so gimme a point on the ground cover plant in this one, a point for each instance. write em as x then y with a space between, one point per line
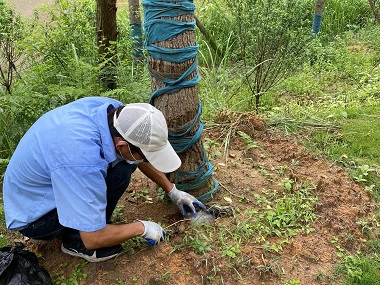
303 175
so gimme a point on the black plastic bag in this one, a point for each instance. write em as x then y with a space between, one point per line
21 267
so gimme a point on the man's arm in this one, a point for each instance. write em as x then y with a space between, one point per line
116 234
156 176
183 200
111 235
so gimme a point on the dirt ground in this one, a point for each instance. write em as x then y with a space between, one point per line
26 7
310 258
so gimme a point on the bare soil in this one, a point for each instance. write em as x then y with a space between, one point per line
310 258
26 7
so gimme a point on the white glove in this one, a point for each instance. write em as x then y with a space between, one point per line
184 201
153 233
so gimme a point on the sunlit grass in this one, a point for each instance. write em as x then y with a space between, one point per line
3 231
362 135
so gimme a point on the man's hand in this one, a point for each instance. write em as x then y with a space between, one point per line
153 233
184 201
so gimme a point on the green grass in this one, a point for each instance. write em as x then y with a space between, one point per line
354 144
357 136
78 276
360 270
3 231
334 105
362 134
276 214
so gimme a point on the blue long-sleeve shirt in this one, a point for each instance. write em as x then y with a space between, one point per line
61 162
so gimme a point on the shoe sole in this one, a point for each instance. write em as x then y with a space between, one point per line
87 257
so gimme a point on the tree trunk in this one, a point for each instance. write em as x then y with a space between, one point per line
136 32
319 6
373 7
107 36
180 108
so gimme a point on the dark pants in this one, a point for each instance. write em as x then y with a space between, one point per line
48 226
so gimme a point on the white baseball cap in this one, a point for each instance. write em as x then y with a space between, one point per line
145 126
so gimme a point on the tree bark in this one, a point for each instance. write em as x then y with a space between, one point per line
319 7
107 36
182 107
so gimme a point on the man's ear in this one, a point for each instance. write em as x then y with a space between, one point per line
119 143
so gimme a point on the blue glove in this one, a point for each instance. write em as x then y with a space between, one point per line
153 233
184 201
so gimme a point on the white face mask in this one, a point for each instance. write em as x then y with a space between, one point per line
134 161
137 161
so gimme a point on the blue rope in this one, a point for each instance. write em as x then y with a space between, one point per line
174 85
197 179
156 29
173 55
316 27
155 9
182 143
162 30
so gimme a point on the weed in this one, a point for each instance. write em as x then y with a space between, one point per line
118 214
320 276
212 148
364 171
249 142
232 251
370 188
142 194
340 249
278 214
288 183
165 276
286 214
77 275
292 282
369 227
281 170
161 195
131 245
275 247
200 241
360 270
374 245
265 172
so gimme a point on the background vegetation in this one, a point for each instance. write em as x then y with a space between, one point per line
324 88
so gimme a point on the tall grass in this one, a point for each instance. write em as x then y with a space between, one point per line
344 15
222 84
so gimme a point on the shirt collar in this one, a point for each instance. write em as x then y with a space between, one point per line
105 134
